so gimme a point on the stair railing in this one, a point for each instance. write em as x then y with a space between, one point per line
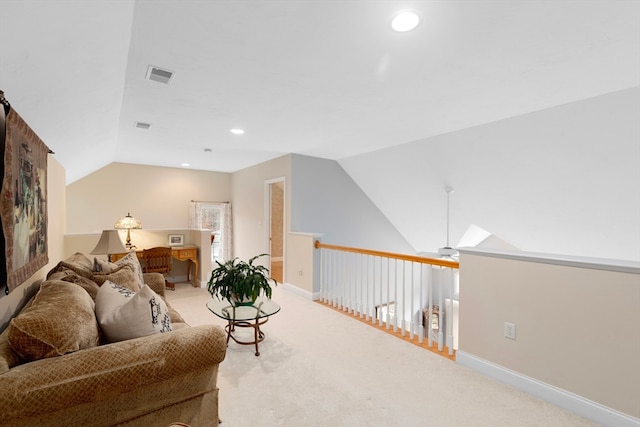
409 293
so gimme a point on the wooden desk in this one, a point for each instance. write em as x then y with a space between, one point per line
181 253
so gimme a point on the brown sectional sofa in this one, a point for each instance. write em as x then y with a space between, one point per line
80 379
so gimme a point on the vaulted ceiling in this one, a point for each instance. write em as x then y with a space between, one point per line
323 78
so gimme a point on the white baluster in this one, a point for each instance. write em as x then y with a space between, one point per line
429 305
380 301
450 323
440 310
361 299
420 318
336 280
403 325
412 311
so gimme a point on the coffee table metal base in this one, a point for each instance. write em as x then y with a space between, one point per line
258 335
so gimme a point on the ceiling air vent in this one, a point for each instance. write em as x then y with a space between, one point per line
141 125
159 75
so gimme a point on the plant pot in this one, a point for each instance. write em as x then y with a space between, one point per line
246 301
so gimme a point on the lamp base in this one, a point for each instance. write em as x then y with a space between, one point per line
128 244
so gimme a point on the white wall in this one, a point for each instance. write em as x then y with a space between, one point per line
319 198
562 180
325 199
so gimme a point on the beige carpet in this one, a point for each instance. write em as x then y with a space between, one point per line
318 367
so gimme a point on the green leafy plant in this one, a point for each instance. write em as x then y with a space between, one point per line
237 281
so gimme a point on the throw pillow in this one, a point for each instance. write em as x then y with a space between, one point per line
79 260
8 357
70 276
123 276
130 258
123 314
102 266
60 320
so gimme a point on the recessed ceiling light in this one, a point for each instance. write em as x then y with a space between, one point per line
186 165
236 131
405 21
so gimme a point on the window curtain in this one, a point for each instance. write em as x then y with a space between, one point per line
214 216
226 235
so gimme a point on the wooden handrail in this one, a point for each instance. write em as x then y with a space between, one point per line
413 258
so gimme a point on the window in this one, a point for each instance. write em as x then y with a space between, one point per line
215 217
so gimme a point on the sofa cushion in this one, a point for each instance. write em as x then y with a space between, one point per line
124 314
8 357
60 320
80 261
70 276
77 269
123 276
102 266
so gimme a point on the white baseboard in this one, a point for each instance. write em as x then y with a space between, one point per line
562 398
301 292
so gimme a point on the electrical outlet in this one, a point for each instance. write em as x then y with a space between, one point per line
510 330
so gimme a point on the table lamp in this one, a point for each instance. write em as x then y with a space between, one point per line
109 243
128 223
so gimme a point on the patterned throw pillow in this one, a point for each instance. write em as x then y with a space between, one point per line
124 314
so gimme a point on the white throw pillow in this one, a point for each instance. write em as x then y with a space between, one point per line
124 314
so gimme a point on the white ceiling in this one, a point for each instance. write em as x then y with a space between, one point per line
322 78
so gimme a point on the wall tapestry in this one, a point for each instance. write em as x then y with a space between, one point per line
23 205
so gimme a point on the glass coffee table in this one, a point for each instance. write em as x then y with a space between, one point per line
245 316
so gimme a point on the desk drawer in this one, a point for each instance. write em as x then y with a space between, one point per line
187 253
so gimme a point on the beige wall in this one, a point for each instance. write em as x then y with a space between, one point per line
300 261
249 228
159 197
576 328
11 303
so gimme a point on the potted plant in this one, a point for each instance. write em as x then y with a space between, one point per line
240 282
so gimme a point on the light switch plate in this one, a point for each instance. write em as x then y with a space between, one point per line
510 330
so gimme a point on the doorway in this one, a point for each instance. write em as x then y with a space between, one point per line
275 208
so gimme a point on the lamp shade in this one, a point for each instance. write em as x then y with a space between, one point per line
127 223
109 243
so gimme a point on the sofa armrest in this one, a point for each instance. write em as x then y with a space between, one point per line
156 282
98 375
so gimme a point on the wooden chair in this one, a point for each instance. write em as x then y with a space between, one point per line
158 260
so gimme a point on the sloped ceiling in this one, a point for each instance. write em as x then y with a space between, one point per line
323 78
